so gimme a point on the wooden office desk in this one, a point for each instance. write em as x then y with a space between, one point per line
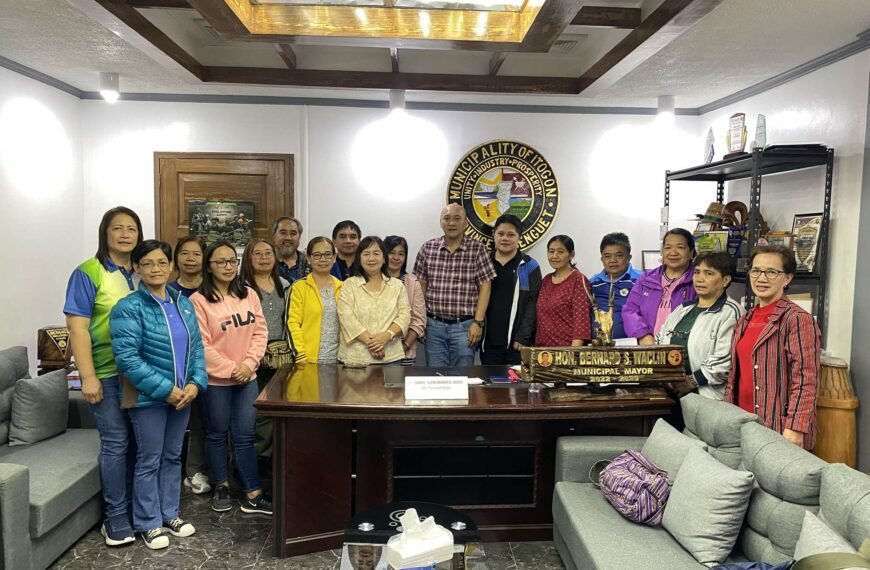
345 441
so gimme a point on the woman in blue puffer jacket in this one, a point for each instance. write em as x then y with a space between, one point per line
160 356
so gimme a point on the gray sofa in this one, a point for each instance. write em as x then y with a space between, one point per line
49 490
590 534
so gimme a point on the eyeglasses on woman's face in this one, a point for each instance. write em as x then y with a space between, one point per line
162 265
264 254
319 255
771 274
222 263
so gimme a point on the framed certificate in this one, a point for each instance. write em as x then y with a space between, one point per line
806 230
652 258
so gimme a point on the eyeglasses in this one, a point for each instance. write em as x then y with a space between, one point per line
148 265
263 254
771 274
222 263
321 255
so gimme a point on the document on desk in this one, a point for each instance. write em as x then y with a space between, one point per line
438 390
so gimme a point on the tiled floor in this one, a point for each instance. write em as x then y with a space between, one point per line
234 540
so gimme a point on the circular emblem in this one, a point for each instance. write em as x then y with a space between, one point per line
505 177
675 357
624 292
545 359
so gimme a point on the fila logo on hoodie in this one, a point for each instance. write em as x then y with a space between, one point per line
238 321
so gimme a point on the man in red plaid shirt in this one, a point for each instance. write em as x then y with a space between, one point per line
455 273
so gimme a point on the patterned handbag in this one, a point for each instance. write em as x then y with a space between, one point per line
636 487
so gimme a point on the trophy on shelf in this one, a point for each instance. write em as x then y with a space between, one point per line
708 147
760 132
735 140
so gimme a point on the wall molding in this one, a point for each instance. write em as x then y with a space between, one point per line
31 73
848 50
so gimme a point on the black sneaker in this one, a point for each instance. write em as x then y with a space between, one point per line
221 501
155 539
260 505
178 527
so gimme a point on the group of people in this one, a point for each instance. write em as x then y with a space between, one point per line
191 351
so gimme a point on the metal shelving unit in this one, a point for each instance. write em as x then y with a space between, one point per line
762 162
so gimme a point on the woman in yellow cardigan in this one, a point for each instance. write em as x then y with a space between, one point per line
313 315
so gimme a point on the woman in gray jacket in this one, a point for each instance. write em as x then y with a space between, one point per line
705 326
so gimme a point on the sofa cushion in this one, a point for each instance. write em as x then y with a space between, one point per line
706 507
717 424
667 447
64 474
845 502
788 482
816 537
40 408
598 537
13 365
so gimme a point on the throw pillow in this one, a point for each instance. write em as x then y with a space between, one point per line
816 537
40 408
706 508
667 448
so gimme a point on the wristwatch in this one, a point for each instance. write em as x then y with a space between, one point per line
479 323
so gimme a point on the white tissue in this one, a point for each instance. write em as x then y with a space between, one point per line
419 544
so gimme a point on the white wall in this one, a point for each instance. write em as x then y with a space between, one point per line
610 167
828 106
120 141
41 196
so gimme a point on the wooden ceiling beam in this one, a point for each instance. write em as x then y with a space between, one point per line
130 16
388 80
604 17
664 25
394 59
287 54
496 62
159 4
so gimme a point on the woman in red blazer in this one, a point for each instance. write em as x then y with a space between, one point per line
776 351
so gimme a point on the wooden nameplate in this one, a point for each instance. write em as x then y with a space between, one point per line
640 365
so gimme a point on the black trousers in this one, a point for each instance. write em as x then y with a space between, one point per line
499 355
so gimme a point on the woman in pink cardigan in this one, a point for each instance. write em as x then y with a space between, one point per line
397 266
234 335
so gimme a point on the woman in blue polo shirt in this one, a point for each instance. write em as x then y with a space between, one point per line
94 288
159 351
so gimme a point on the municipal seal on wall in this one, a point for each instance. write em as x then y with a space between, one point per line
505 177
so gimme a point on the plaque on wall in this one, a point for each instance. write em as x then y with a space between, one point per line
213 221
505 177
806 230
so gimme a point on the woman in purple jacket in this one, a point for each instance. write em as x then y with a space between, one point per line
661 290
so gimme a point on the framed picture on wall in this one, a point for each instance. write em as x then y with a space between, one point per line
214 220
651 258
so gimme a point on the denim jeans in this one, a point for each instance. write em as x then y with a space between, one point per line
114 432
159 435
198 426
231 410
447 344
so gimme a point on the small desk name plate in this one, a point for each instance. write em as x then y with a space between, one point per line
436 388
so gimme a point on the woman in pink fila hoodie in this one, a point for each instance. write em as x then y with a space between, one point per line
234 335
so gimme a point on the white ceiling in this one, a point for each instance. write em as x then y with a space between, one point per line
737 45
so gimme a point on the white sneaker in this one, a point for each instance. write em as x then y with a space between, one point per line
155 539
198 484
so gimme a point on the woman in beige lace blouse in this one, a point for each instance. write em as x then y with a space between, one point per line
373 309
